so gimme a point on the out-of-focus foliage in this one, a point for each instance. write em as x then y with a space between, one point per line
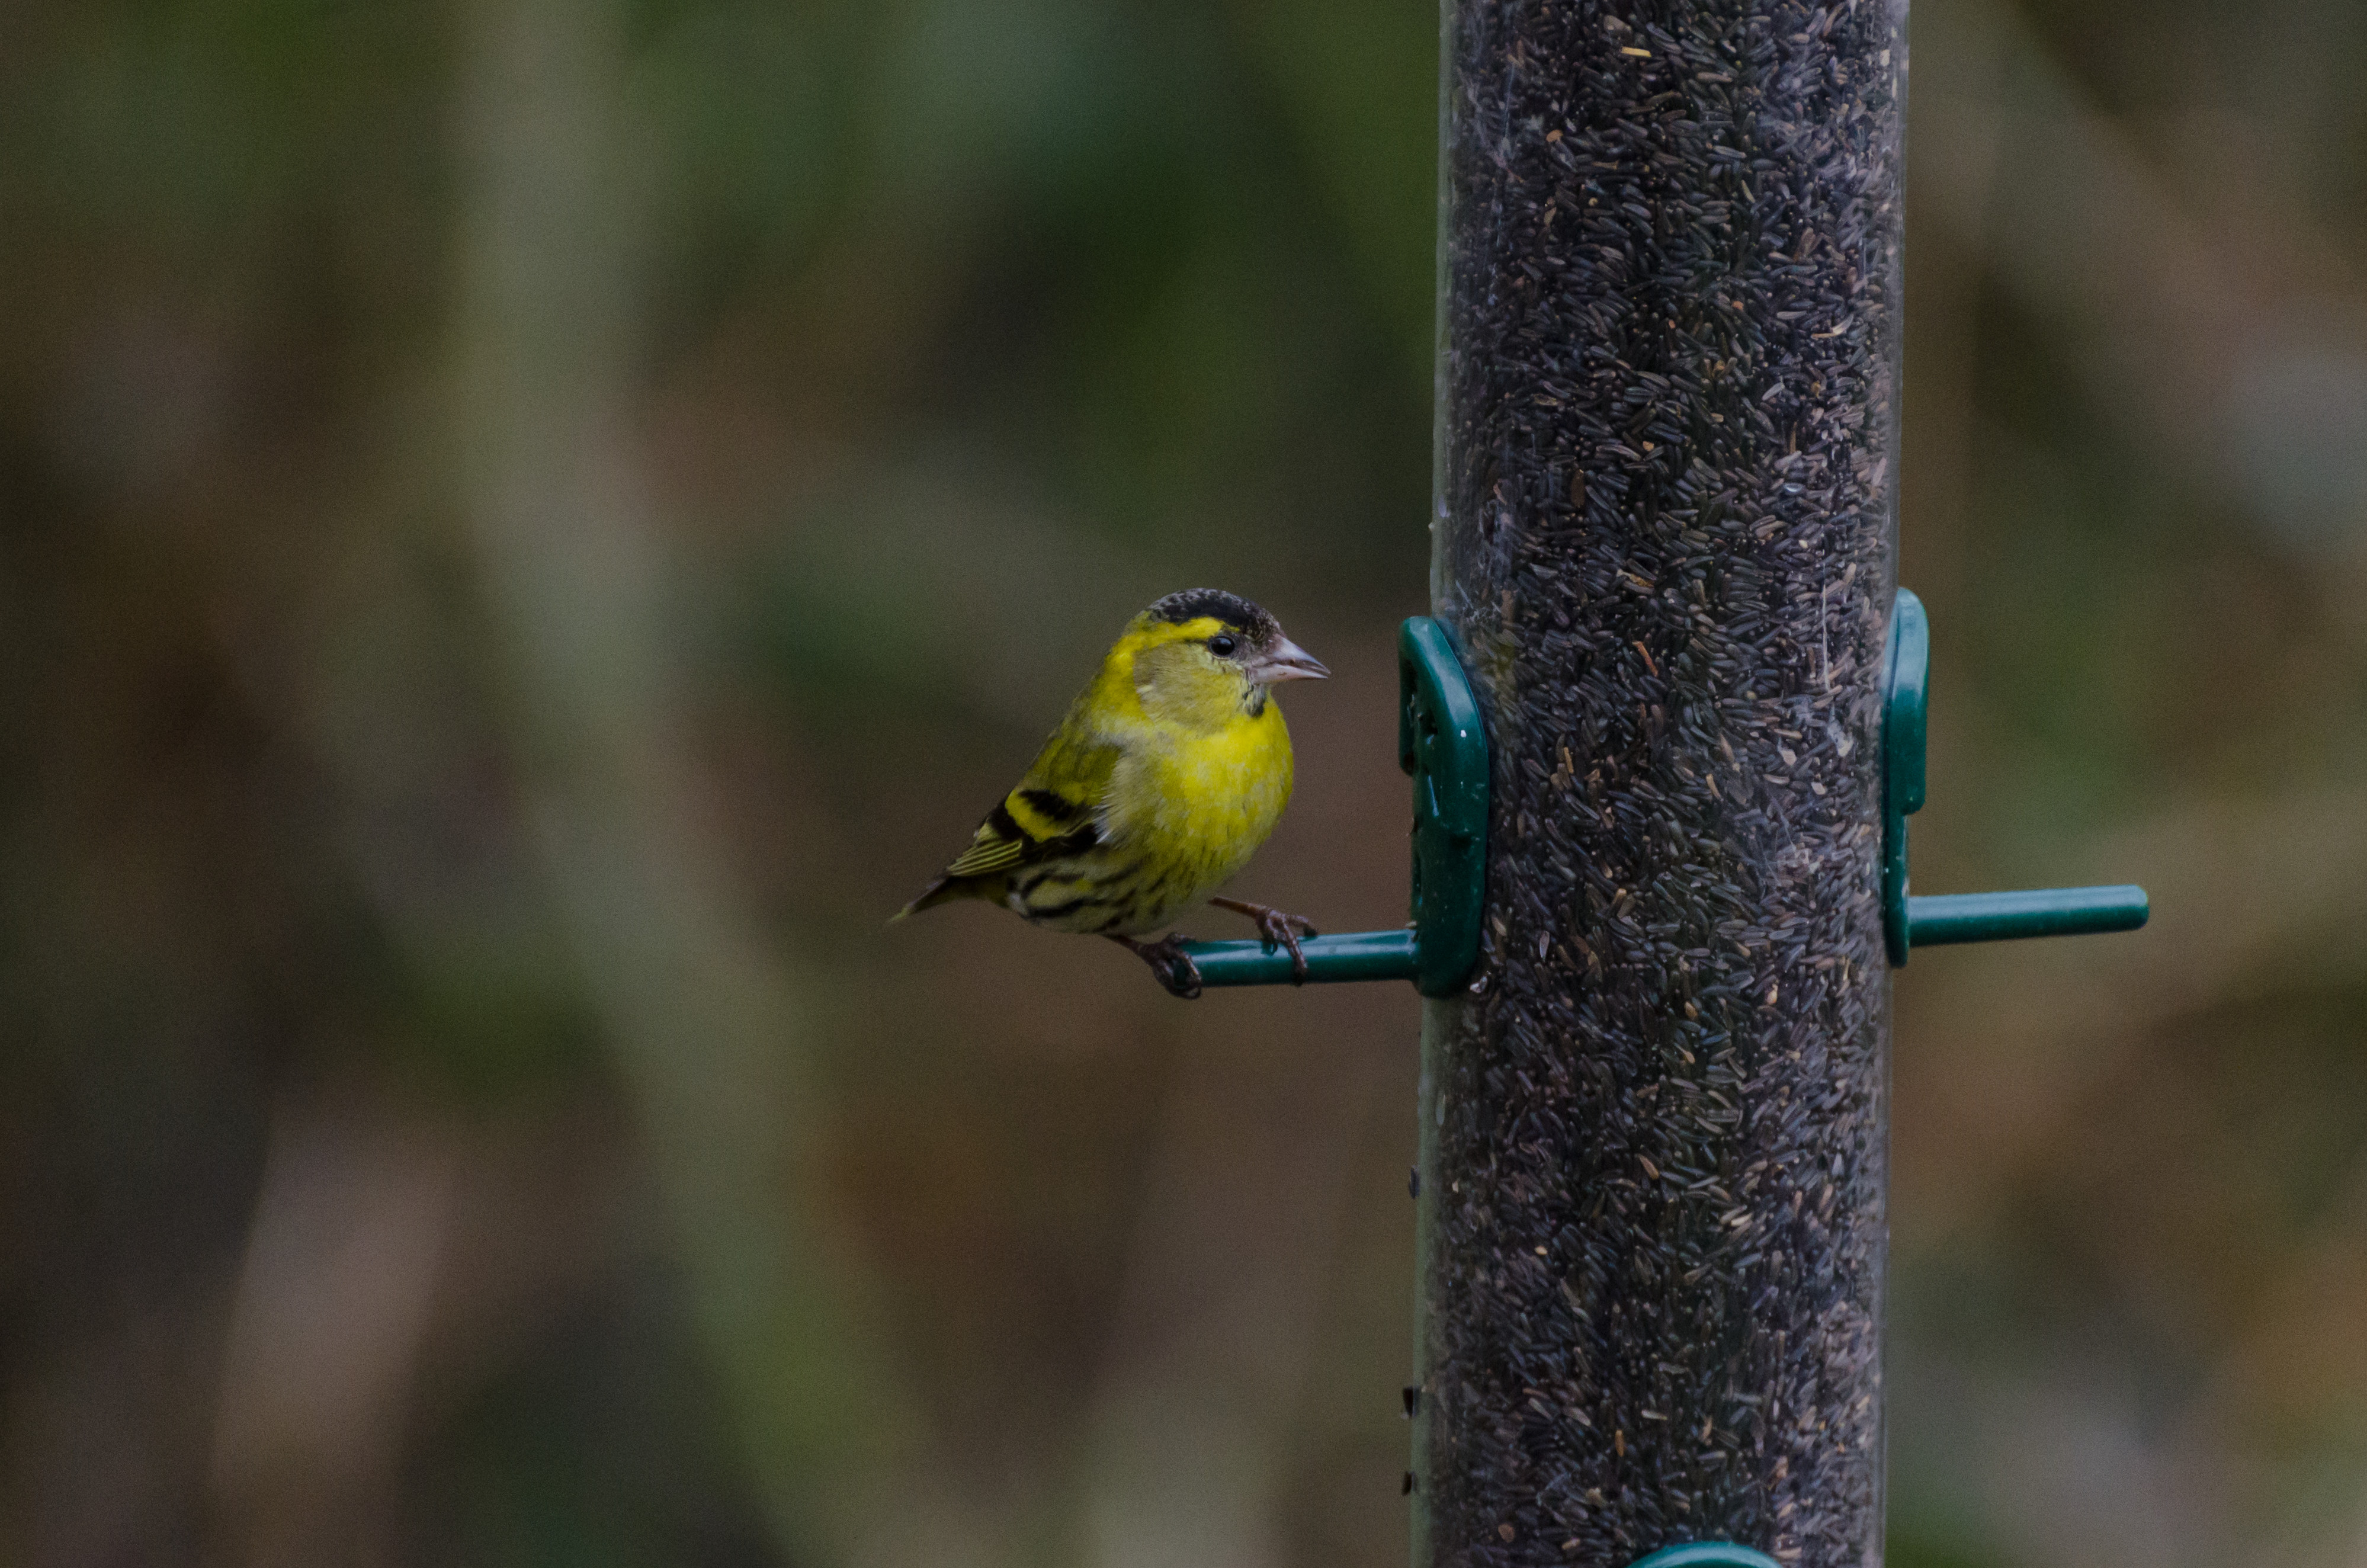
531 526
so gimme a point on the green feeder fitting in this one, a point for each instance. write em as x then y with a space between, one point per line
1443 743
1910 921
1706 1554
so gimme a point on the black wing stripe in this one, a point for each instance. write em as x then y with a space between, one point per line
1002 844
1052 806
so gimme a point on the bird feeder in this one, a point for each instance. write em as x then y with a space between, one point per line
1666 726
1653 1122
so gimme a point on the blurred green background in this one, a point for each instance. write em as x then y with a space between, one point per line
527 528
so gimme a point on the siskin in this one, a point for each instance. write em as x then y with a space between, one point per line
1169 771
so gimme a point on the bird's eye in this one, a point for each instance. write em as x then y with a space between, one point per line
1221 646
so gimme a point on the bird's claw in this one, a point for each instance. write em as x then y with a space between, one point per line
1168 961
1176 970
1276 929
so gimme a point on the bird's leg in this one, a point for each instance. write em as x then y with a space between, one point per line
1168 960
1276 929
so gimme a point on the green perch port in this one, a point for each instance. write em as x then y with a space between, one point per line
1444 745
1359 955
2040 912
1910 921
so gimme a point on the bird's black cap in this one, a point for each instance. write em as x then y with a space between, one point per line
1233 610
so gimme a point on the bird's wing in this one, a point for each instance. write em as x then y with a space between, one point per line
1056 810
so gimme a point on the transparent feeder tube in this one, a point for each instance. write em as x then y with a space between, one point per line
1654 1129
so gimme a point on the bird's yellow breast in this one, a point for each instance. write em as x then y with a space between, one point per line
1199 802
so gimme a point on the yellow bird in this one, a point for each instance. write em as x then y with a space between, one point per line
1169 771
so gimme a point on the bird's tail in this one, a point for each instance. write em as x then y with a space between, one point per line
945 889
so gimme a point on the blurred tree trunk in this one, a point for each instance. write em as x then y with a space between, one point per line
1654 1131
703 1024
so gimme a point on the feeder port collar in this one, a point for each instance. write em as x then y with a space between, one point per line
1909 922
1706 1554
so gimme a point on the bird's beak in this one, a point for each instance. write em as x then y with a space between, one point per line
1288 661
